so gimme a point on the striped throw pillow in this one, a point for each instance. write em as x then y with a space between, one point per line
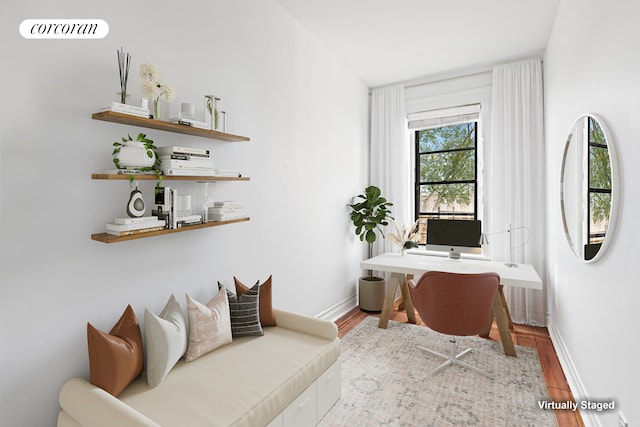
245 316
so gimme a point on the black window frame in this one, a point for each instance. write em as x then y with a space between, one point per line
418 182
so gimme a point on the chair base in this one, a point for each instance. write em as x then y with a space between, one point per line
453 359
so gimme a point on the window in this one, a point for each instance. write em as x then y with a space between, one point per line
599 175
446 168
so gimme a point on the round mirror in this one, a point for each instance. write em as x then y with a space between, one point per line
588 187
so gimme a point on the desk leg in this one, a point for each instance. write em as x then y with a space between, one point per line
503 300
398 304
406 298
389 296
503 320
485 333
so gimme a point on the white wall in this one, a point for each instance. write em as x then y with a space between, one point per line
306 115
592 66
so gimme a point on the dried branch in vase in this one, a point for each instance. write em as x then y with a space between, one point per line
406 237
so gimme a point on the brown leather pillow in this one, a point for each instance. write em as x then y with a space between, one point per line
265 301
116 358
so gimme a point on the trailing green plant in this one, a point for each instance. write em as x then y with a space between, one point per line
151 151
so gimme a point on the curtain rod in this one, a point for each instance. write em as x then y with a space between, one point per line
444 79
470 73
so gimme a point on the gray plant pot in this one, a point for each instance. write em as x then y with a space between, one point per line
371 291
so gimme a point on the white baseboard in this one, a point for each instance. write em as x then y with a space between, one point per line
335 311
571 373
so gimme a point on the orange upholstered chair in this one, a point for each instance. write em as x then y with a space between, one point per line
455 305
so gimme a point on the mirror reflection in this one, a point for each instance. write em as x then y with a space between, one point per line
587 187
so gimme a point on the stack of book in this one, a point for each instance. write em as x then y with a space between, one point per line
128 172
226 210
185 161
189 121
227 172
131 110
127 226
167 208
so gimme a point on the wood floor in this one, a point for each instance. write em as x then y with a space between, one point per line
523 335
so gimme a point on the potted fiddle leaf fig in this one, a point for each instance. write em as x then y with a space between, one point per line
370 213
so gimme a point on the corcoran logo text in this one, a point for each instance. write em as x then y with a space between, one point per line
64 29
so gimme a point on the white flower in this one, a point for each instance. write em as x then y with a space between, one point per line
149 88
168 91
149 72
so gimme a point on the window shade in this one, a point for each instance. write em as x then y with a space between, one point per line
443 117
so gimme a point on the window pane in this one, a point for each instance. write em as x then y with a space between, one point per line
447 137
448 166
596 135
599 168
600 204
445 173
447 199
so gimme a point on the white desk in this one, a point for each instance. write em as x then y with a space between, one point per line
404 267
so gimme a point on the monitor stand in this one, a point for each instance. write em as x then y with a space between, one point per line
454 255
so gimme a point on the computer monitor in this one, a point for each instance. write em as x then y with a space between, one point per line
454 236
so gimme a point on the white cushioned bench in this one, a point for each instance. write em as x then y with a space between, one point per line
253 381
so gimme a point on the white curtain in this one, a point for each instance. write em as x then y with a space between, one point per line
517 180
390 160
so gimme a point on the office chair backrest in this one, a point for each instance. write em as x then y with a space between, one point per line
455 304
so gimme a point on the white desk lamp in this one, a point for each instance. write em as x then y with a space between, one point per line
485 241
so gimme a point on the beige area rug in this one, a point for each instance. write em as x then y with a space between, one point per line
387 381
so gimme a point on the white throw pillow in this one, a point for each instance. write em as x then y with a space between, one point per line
209 325
166 340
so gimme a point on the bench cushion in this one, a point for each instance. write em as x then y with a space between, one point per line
244 383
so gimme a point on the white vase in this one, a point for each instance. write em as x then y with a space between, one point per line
133 154
162 110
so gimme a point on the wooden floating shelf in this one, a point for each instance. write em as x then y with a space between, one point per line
108 238
144 177
111 116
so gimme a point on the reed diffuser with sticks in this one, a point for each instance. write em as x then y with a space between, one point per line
124 60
